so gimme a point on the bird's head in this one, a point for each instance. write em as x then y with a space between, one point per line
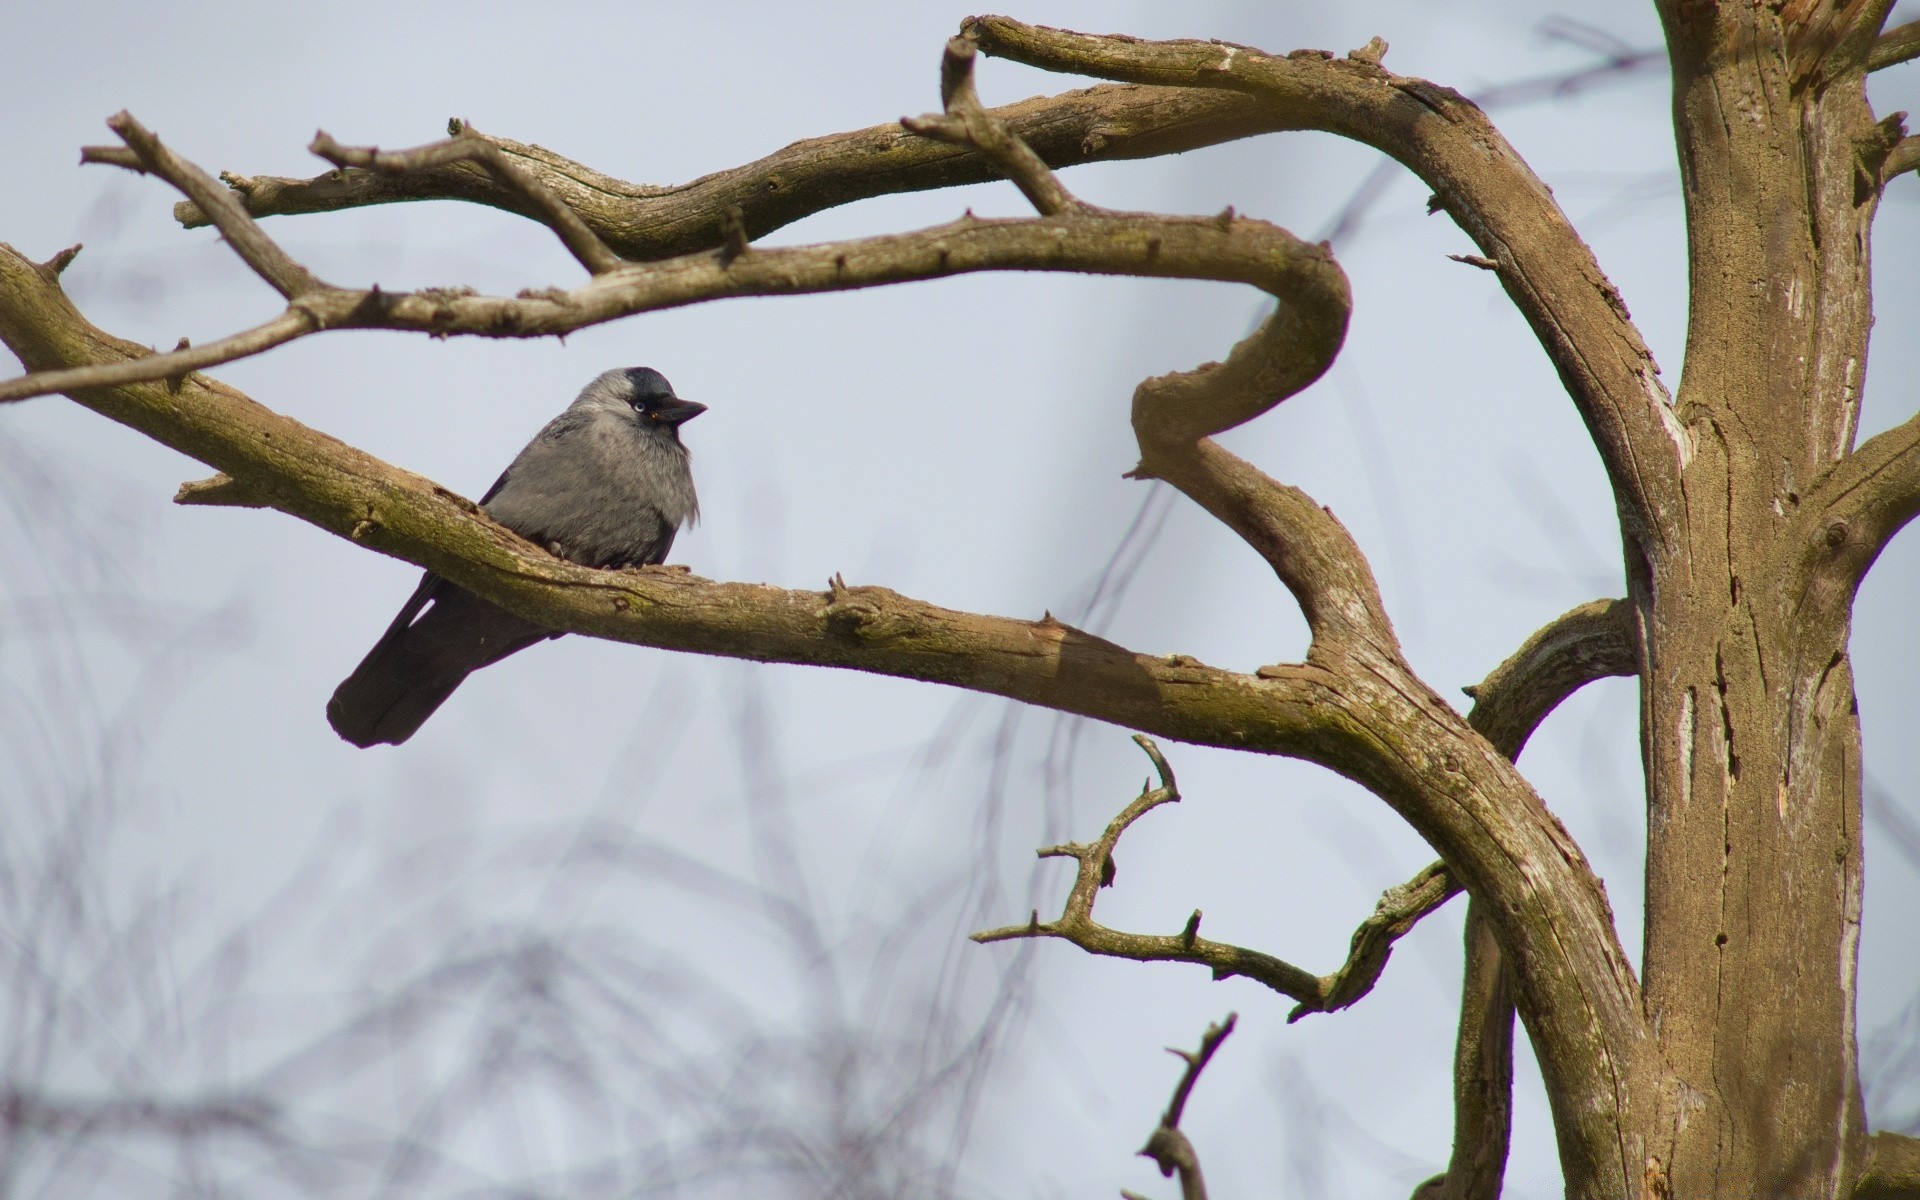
651 397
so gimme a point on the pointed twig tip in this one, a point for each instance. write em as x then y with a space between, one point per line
62 260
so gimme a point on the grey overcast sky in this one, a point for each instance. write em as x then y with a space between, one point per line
163 670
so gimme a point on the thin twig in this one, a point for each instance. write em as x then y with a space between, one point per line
466 145
294 323
240 230
1169 1148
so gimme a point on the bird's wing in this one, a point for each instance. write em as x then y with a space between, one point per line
556 429
495 489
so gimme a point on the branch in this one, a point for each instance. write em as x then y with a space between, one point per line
1399 909
966 123
246 238
467 146
1173 416
297 470
28 1109
643 223
1593 641
1482 1071
1904 157
1896 45
1167 1146
1354 706
1856 508
1893 1169
1590 642
1303 277
1549 273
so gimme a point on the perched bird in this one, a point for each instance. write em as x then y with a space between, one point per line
605 484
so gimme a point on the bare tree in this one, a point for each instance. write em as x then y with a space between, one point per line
1747 519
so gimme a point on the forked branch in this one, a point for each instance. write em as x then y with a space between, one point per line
644 222
1079 240
1354 705
1399 909
467 146
966 122
1169 1148
1548 271
144 152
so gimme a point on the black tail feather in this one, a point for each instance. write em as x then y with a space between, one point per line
417 664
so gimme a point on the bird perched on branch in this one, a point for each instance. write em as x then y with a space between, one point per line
605 484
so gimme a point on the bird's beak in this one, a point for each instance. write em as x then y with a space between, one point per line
677 411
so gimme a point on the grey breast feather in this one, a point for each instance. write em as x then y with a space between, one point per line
598 486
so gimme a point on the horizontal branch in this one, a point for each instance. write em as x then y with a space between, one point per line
643 222
1904 157
467 146
291 325
297 470
1549 273
1305 278
1896 45
29 1109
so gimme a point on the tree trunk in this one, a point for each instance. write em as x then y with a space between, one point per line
1750 731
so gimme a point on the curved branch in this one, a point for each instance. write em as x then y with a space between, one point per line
643 223
1549 273
1175 415
1593 641
1398 911
1859 505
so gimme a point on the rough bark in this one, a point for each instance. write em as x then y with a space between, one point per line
1749 726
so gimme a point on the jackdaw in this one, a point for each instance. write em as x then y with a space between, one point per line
605 484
